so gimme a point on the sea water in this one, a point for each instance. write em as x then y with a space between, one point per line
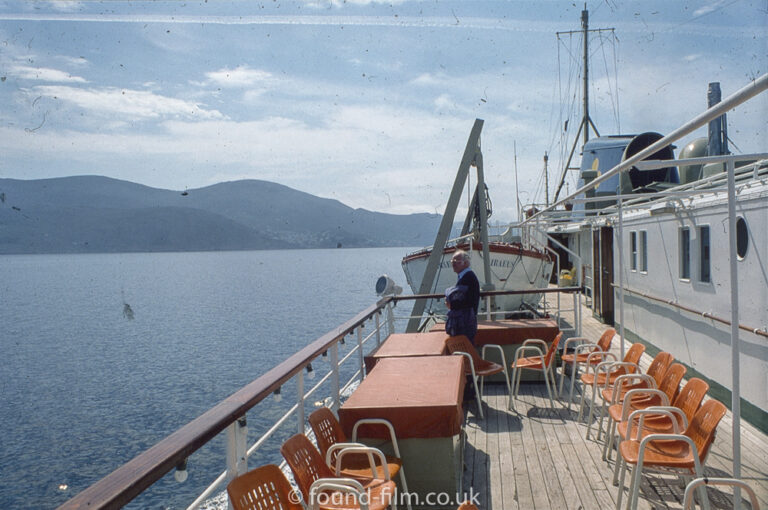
104 355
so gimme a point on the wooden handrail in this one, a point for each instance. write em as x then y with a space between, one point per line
131 479
707 315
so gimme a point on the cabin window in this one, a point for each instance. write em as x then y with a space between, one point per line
704 254
685 253
633 251
643 251
742 237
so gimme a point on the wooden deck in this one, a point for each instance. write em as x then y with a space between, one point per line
537 458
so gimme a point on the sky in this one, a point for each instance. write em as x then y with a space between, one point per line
364 101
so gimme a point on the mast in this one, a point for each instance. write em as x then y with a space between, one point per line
585 85
586 120
546 180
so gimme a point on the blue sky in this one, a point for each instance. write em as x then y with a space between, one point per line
364 101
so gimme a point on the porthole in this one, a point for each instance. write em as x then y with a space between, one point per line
742 237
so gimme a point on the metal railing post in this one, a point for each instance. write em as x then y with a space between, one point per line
360 351
300 401
378 327
335 387
237 444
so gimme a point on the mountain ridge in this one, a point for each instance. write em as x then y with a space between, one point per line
92 213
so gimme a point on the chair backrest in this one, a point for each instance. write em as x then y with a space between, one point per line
550 355
659 366
264 488
605 339
704 425
461 343
327 429
633 355
670 384
690 397
305 461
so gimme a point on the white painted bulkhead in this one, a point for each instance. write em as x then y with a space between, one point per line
701 343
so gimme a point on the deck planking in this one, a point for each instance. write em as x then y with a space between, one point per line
534 457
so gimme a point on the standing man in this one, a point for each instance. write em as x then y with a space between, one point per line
463 299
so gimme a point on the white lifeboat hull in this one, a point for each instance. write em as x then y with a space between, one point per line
512 268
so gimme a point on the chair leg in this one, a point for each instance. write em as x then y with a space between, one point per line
512 391
549 391
591 411
562 376
405 487
619 461
574 376
581 406
608 445
506 378
479 400
600 424
634 489
621 487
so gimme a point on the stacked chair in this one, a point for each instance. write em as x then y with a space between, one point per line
581 356
607 373
685 452
657 425
477 366
642 398
651 379
351 475
322 489
331 440
543 361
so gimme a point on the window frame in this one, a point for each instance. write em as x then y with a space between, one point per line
633 251
705 253
684 253
644 251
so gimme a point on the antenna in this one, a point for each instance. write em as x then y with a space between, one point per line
517 187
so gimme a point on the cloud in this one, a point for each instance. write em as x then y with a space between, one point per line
44 74
428 79
327 4
65 5
133 103
239 77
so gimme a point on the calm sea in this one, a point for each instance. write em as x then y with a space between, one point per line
104 355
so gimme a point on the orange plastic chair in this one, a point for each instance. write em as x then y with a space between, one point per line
324 490
605 374
665 452
663 420
581 356
476 365
643 398
330 439
652 378
542 362
264 488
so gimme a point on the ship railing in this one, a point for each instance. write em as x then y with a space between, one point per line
345 368
344 347
561 314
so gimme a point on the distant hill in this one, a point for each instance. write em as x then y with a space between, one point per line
98 214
